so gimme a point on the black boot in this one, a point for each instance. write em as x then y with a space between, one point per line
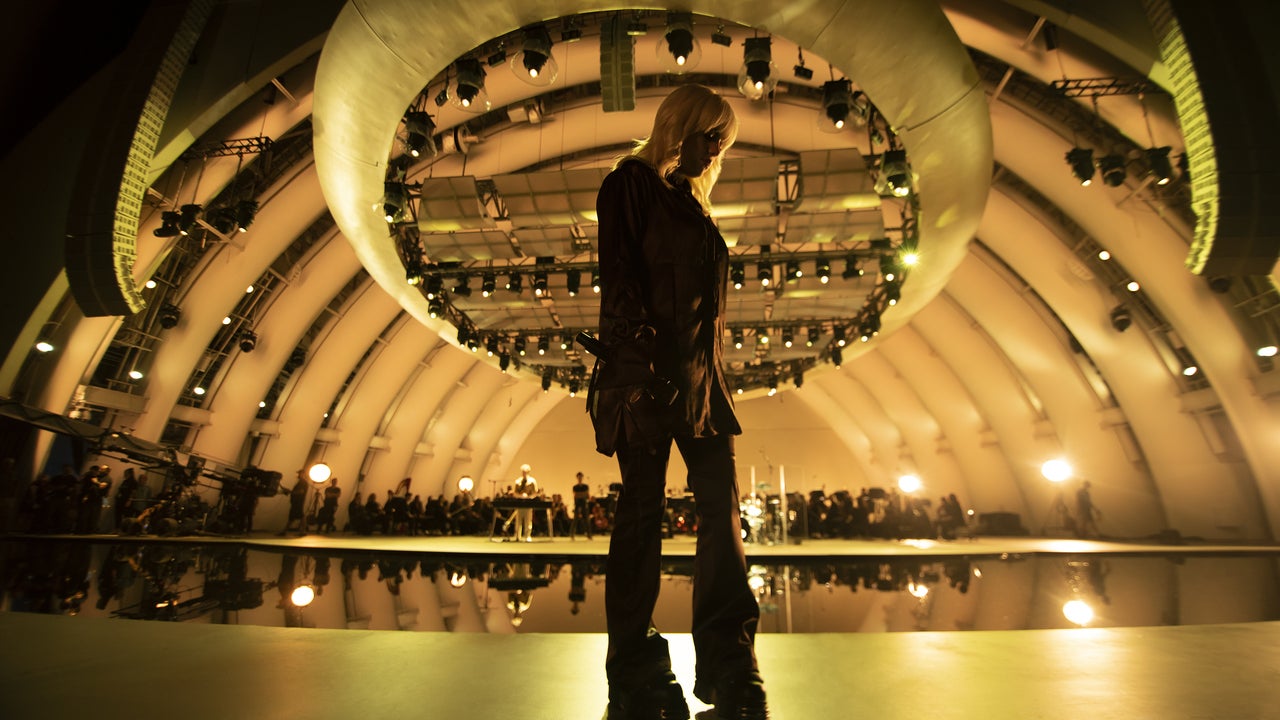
659 699
737 699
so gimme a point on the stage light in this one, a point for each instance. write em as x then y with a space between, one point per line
414 272
764 273
467 92
1161 169
1081 162
837 357
135 374
463 288
187 218
546 380
758 76
515 282
248 341
169 315
394 201
168 224
595 281
773 387
1121 318
837 104
787 338
802 72
534 63
837 334
539 283
737 338
466 484
319 473
798 379
491 345
544 344
909 483
762 336
302 596
1266 351
852 267
822 268
737 275
435 307
222 219
719 38
679 51
198 390
1056 470
573 282
44 346
815 333
488 283
894 177
504 361
794 272
1112 169
521 345
419 127
573 388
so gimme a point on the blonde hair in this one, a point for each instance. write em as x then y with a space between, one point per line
687 110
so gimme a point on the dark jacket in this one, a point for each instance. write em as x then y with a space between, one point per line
663 269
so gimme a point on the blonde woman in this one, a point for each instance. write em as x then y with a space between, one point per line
663 270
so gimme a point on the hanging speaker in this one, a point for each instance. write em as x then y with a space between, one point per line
617 67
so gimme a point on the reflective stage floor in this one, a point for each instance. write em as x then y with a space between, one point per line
1181 653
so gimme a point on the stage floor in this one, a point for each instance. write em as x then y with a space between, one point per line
56 666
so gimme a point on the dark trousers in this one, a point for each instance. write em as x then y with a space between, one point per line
725 612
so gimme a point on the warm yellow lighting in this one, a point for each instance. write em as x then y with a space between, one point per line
1078 612
319 472
918 590
135 374
302 595
1056 470
909 483
226 320
1267 351
910 259
1104 255
150 284
466 484
457 579
1133 286
44 347
198 390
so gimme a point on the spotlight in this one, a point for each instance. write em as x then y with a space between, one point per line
679 51
803 72
564 342
794 272
521 346
822 268
737 275
245 212
573 282
852 268
169 316
1081 162
463 288
497 58
248 341
1112 168
637 27
773 387
44 346
488 283
787 338
758 76
573 387
319 473
168 224
394 202
893 292
837 335
895 176
764 272
719 38
1161 169
837 103
442 97
737 338
534 63
546 380
435 307
544 344
595 281
837 357
1120 318
762 336
413 272
464 335
815 333
539 284
870 327
223 220
187 217
418 127
515 282
798 379
467 92
491 345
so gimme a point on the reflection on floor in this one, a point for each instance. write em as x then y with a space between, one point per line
54 666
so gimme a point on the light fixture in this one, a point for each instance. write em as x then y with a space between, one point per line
798 379
418 128
168 224
302 596
249 290
1112 169
719 38
504 361
814 334
895 176
248 341
1120 318
394 201
169 315
595 281
773 387
758 76
226 319
1266 351
573 388
534 63
837 104
1104 255
515 282
546 380
1132 286
414 272
198 390
794 272
822 268
150 284
435 307
737 275
573 282
488 283
1056 470
1158 160
188 215
762 336
467 92
463 288
893 292
222 219
1081 162
852 268
764 273
540 283
246 210
678 50
909 483
491 345
521 345
837 357
44 346
787 338
837 334
319 473
737 338
544 344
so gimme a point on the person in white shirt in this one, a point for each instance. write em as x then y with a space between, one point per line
526 487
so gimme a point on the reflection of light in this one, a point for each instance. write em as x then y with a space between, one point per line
1056 470
756 582
919 543
755 510
302 595
319 472
917 589
1078 612
909 483
977 572
458 579
756 577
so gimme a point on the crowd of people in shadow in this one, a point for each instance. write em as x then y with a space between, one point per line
71 503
